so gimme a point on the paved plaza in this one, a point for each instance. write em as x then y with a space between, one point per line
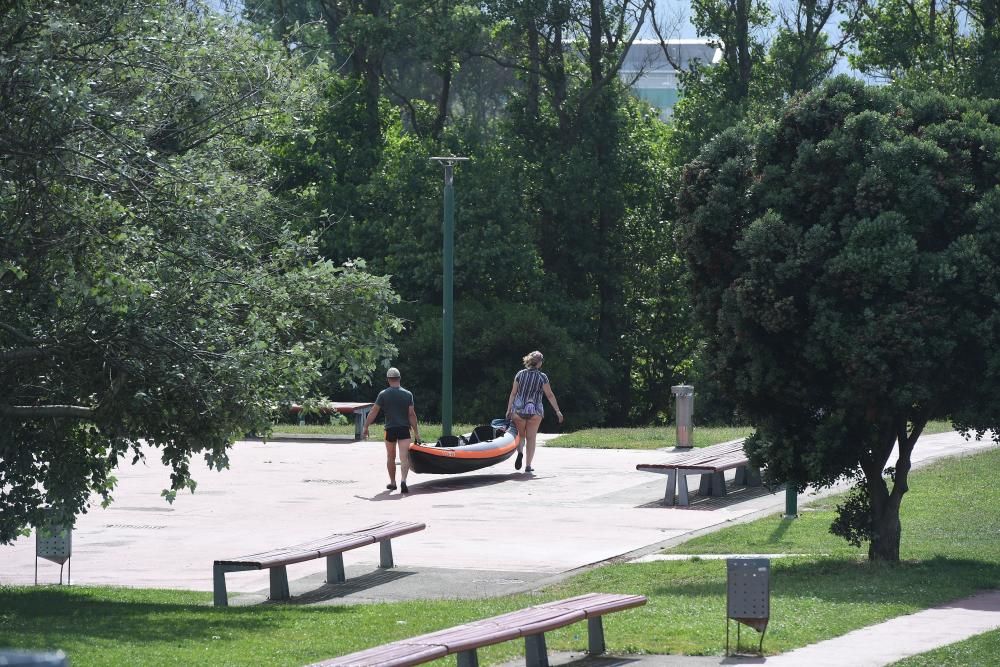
489 532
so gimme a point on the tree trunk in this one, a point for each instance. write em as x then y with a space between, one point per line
437 127
886 533
743 48
535 64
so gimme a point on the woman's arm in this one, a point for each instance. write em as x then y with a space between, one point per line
510 399
552 400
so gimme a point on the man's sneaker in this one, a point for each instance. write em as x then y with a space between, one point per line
517 461
403 488
391 486
529 469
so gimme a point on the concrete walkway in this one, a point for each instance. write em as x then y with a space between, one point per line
489 532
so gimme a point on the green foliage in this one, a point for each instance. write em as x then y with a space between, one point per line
152 287
560 215
755 78
659 437
497 332
978 651
943 45
825 592
843 263
854 516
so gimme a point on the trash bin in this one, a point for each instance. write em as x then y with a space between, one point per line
748 596
55 543
684 414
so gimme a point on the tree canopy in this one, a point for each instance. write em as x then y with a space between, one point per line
151 287
844 264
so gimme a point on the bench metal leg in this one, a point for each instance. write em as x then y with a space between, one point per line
741 476
668 495
219 586
595 636
360 416
385 554
468 658
705 484
335 569
359 424
535 654
718 484
279 583
682 489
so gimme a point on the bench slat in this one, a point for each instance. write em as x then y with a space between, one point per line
715 458
397 654
325 546
300 552
465 637
394 529
526 622
596 604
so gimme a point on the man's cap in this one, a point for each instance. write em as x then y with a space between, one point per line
392 372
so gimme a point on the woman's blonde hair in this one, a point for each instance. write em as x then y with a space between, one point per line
533 359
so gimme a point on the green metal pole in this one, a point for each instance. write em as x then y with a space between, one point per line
448 287
791 501
448 311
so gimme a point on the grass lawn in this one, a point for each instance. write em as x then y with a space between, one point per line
657 437
979 651
951 528
428 432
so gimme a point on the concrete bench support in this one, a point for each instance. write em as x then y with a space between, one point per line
710 463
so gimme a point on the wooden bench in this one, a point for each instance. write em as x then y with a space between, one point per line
709 462
359 410
531 623
332 547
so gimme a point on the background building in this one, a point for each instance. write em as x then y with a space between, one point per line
654 77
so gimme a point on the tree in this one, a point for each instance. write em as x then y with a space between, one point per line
949 45
152 290
844 267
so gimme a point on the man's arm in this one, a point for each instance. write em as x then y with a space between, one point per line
372 414
413 423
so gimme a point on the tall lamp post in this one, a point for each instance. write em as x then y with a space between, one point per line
448 296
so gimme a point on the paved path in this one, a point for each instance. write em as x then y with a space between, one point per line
490 532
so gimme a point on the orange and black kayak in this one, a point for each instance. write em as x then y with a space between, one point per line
487 445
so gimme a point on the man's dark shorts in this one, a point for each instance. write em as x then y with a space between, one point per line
394 433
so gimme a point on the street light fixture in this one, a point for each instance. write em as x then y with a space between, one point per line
448 297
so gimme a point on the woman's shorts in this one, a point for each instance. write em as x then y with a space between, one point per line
529 417
394 433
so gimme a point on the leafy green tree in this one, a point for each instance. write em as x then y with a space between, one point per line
423 55
844 266
767 59
953 46
151 290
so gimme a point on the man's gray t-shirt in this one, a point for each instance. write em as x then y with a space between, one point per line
395 403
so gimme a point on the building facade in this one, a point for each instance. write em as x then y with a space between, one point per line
654 77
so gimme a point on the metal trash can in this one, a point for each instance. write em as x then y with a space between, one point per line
684 414
54 543
748 596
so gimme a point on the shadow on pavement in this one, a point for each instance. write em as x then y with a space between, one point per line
353 585
734 495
